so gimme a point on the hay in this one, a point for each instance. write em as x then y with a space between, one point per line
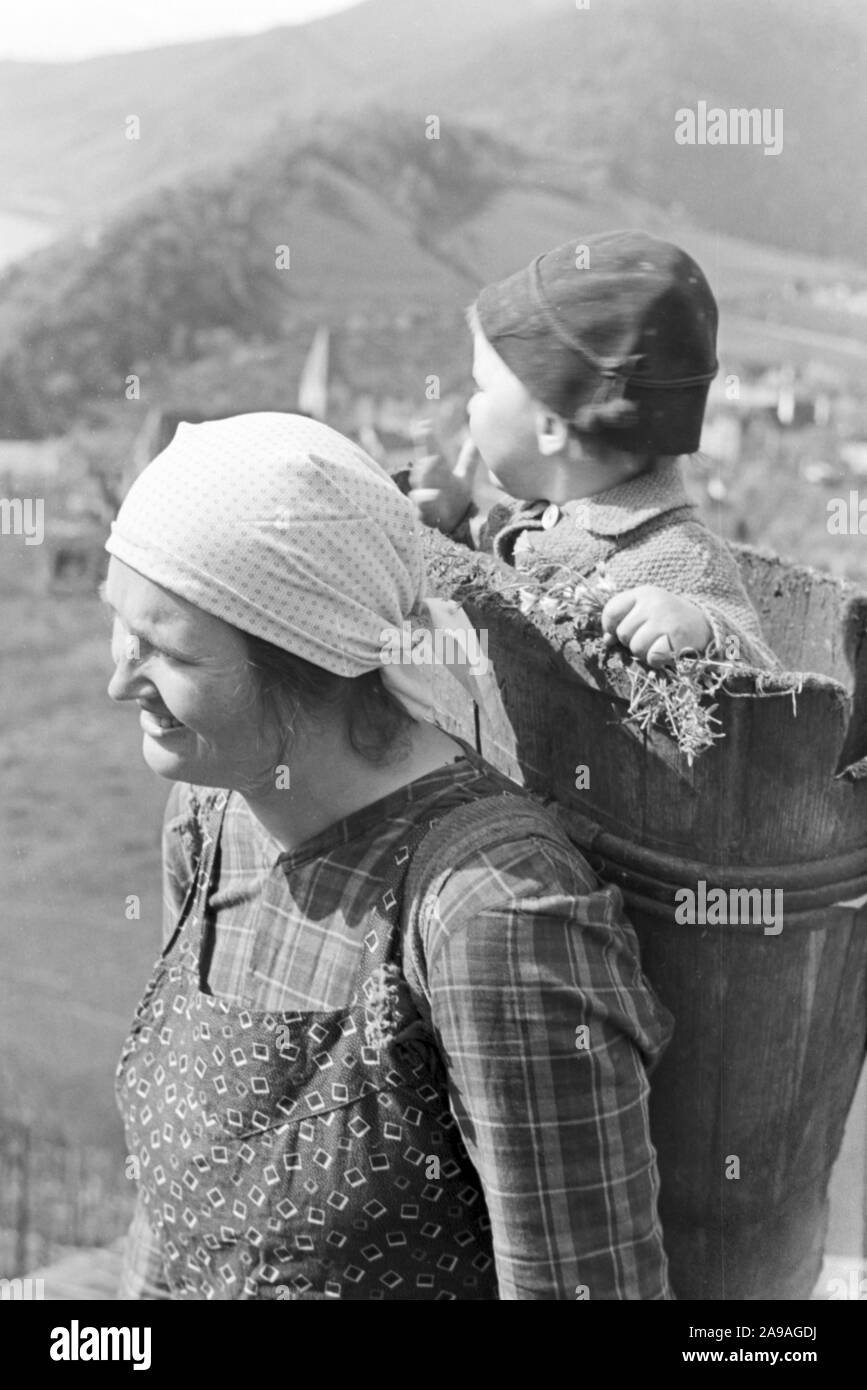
678 697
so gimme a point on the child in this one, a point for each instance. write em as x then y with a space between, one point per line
593 368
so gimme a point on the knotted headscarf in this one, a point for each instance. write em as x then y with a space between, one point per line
287 530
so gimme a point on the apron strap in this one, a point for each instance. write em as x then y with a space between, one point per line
209 812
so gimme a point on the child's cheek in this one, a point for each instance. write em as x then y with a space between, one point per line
489 430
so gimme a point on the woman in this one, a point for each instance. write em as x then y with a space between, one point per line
396 1044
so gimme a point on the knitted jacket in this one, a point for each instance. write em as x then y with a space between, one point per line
645 531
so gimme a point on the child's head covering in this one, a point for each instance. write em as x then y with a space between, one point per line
289 531
616 333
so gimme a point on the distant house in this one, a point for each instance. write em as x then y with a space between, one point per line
312 392
322 393
74 554
25 463
854 456
72 550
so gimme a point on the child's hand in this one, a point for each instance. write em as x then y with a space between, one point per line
655 625
441 493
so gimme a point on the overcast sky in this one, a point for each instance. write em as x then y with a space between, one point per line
48 30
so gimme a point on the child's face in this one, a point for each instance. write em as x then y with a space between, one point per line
503 416
526 447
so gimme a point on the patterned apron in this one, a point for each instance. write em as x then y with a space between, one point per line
300 1155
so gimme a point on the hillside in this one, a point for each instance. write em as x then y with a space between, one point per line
596 89
390 235
206 106
167 280
609 81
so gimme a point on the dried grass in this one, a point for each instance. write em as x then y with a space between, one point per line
678 697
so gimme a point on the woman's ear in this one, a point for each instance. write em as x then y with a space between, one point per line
552 433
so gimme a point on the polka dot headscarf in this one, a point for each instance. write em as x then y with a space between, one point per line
282 527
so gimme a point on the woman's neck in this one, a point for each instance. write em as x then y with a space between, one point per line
327 780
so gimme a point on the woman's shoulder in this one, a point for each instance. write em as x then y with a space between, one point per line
498 844
489 812
500 879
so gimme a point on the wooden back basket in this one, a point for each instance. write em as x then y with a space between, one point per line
749 1103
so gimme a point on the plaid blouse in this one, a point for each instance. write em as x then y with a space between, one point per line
531 978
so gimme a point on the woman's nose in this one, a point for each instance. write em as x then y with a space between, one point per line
117 686
126 683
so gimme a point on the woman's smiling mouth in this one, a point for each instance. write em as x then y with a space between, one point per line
159 725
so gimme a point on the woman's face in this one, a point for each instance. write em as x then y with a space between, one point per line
187 671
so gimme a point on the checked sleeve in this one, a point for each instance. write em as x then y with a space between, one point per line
548 1029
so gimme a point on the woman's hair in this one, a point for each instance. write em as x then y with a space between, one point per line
377 725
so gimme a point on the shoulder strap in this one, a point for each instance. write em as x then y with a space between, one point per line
206 822
475 825
451 841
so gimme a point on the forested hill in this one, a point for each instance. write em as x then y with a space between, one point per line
211 290
601 82
340 224
402 153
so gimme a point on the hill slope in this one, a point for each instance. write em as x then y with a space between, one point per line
358 213
596 88
388 237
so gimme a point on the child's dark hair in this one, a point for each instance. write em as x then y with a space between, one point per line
377 725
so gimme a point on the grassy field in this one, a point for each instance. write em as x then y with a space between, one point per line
80 831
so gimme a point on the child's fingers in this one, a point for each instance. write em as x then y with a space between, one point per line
429 503
660 652
424 437
635 623
469 459
616 609
639 637
429 467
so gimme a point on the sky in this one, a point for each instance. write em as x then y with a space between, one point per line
57 30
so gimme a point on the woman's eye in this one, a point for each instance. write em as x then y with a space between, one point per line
166 656
143 649
132 648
